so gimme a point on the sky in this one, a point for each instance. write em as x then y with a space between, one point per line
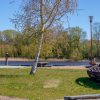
79 18
7 11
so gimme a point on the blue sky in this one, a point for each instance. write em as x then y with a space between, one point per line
79 18
6 12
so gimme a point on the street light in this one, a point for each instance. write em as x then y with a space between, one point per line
91 19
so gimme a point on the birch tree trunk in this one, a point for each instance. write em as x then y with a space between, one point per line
34 67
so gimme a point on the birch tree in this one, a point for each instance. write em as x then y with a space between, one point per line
41 15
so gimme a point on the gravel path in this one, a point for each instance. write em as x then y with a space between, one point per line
67 67
10 98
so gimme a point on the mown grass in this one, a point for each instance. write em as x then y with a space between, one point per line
18 83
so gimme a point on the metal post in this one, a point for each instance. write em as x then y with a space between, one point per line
91 18
6 59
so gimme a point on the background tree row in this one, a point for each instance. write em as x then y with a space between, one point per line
58 42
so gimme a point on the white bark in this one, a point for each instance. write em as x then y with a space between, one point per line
34 67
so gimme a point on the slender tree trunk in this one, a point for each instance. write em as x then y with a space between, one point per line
34 67
97 49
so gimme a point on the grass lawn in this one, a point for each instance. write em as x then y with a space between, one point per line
46 84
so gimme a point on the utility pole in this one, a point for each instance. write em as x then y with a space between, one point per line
91 19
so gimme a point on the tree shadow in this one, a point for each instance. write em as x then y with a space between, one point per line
11 76
87 82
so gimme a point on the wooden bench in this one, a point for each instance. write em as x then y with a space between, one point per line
83 97
42 64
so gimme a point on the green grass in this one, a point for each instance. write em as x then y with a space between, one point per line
18 83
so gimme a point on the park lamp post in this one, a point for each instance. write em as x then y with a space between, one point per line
91 19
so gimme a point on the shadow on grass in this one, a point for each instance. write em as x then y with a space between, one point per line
11 76
87 82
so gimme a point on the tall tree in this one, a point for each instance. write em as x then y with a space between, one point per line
42 14
96 36
75 37
60 45
7 36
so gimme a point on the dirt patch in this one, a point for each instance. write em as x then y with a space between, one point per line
10 98
53 83
67 67
16 59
